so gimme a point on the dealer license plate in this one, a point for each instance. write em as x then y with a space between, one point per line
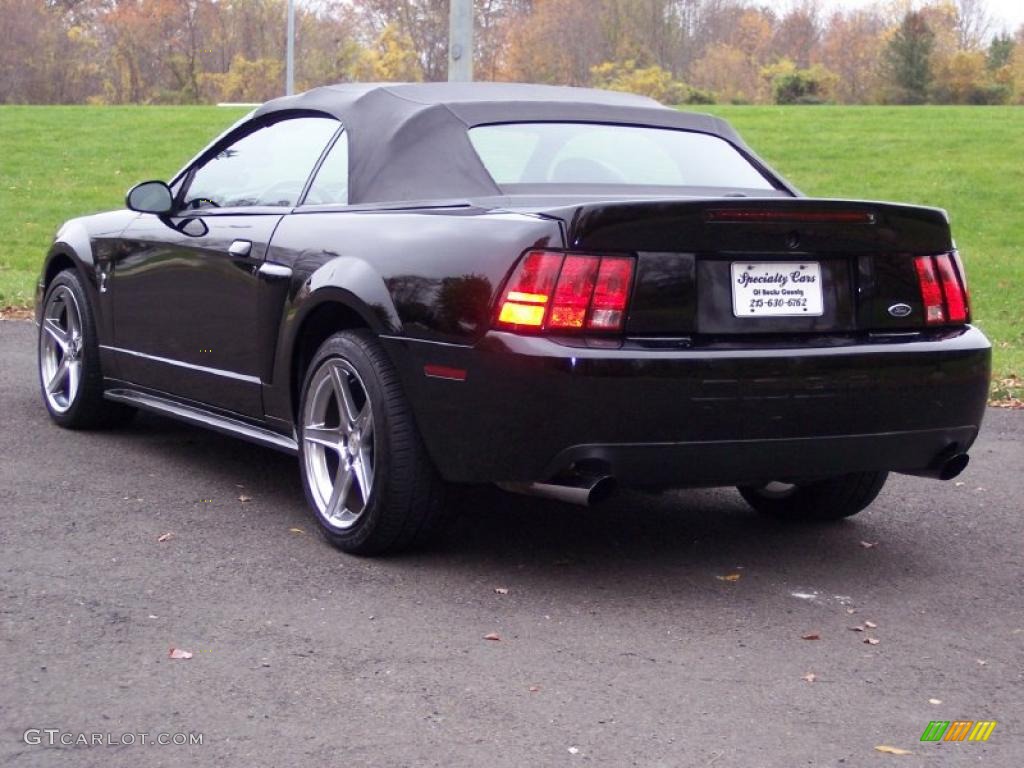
776 289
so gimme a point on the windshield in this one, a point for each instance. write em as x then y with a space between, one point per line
590 153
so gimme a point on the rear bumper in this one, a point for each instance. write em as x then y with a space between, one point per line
531 407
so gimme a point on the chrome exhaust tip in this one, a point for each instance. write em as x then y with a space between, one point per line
578 489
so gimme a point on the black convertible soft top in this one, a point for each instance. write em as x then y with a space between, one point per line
409 141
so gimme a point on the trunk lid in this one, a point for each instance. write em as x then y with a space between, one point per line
836 266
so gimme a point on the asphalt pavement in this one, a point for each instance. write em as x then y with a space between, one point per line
658 630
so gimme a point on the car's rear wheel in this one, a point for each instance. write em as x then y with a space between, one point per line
830 499
70 376
364 467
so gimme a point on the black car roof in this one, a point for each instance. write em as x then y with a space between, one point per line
409 141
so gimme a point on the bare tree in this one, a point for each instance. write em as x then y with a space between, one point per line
972 24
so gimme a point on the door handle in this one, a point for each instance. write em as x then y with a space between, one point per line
240 248
272 271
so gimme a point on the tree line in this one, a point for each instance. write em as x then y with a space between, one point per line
678 51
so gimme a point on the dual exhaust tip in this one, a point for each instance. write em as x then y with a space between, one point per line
574 488
947 466
588 489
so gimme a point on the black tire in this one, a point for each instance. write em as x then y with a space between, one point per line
830 499
406 499
82 406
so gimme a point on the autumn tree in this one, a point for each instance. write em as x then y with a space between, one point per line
392 58
183 51
47 53
908 56
730 74
329 42
797 34
851 47
246 80
559 41
732 69
422 22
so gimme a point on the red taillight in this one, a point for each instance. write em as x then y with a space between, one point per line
943 290
575 288
611 294
528 292
567 292
956 301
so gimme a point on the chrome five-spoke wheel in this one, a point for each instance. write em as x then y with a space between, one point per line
60 349
339 447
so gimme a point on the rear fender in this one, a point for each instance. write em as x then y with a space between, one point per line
361 298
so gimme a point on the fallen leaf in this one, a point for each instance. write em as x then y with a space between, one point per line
730 577
243 498
501 590
934 701
870 625
165 537
811 636
492 636
871 641
296 530
892 750
810 677
534 688
869 544
177 653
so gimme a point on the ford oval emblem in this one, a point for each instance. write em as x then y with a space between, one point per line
900 310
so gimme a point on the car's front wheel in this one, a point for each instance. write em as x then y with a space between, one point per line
364 467
70 376
830 499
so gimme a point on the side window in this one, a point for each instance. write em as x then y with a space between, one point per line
266 167
331 182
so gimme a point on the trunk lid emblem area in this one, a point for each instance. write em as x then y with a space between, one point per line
900 310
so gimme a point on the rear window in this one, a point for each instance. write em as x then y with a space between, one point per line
589 153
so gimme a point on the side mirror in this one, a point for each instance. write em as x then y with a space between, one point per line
150 197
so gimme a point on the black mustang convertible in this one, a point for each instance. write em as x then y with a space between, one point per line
552 289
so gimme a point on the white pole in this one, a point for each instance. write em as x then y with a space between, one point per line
460 41
289 88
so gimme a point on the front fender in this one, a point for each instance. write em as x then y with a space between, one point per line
71 247
85 243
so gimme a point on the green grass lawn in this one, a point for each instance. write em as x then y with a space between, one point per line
58 162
